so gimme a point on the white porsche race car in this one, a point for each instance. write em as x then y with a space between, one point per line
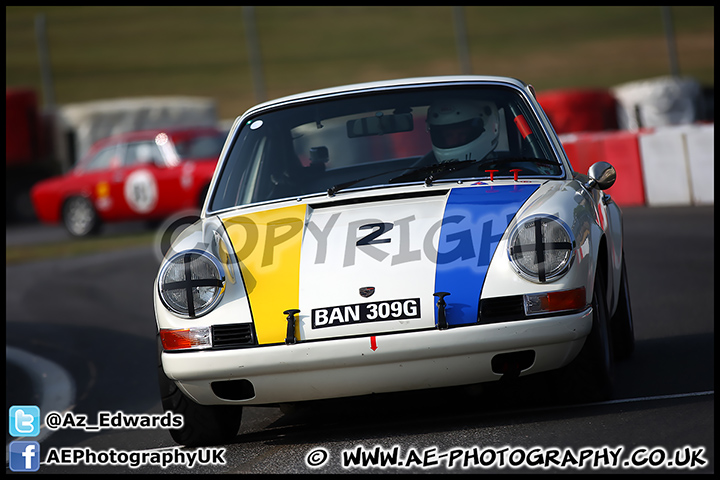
387 237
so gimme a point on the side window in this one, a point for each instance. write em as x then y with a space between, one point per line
101 161
139 153
205 146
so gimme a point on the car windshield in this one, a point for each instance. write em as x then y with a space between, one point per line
201 146
382 139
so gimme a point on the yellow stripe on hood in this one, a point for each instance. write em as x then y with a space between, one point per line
268 246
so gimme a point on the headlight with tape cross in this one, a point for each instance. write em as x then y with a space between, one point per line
541 248
191 283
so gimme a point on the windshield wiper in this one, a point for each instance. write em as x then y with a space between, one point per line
435 171
340 186
432 172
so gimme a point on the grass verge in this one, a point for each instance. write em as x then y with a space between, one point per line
18 254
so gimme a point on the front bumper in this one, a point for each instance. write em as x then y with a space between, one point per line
365 365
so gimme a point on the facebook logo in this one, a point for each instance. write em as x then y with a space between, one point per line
24 421
24 456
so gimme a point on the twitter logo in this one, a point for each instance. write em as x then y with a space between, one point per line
24 421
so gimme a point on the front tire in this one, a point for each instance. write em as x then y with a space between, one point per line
590 376
202 424
621 324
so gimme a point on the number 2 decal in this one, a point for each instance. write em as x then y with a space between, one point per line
372 237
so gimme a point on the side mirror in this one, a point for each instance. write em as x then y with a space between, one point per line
602 175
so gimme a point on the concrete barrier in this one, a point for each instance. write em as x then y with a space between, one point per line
678 165
701 157
665 168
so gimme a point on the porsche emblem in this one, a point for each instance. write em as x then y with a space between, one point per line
365 292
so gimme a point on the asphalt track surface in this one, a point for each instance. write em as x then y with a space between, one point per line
81 338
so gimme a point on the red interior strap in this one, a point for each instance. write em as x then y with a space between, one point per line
523 126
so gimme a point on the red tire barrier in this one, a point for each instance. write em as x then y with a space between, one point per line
619 148
622 151
580 110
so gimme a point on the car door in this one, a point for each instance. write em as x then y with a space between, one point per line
177 188
92 178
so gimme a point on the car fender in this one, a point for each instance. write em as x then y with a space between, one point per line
614 236
209 235
569 202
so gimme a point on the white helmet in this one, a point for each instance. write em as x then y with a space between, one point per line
462 129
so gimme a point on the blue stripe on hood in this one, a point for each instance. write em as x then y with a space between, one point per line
474 222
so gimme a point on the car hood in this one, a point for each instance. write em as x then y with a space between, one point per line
371 265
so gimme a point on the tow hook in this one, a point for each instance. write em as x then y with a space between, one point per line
442 321
290 337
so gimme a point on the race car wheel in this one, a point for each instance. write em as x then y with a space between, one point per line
590 376
621 324
79 217
202 424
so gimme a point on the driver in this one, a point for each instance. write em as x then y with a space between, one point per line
462 130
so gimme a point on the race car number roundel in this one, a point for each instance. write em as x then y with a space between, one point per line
141 192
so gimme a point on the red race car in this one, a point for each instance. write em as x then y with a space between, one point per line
143 175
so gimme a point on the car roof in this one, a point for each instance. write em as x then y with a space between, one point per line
388 84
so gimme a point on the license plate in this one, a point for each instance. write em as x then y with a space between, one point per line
366 312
